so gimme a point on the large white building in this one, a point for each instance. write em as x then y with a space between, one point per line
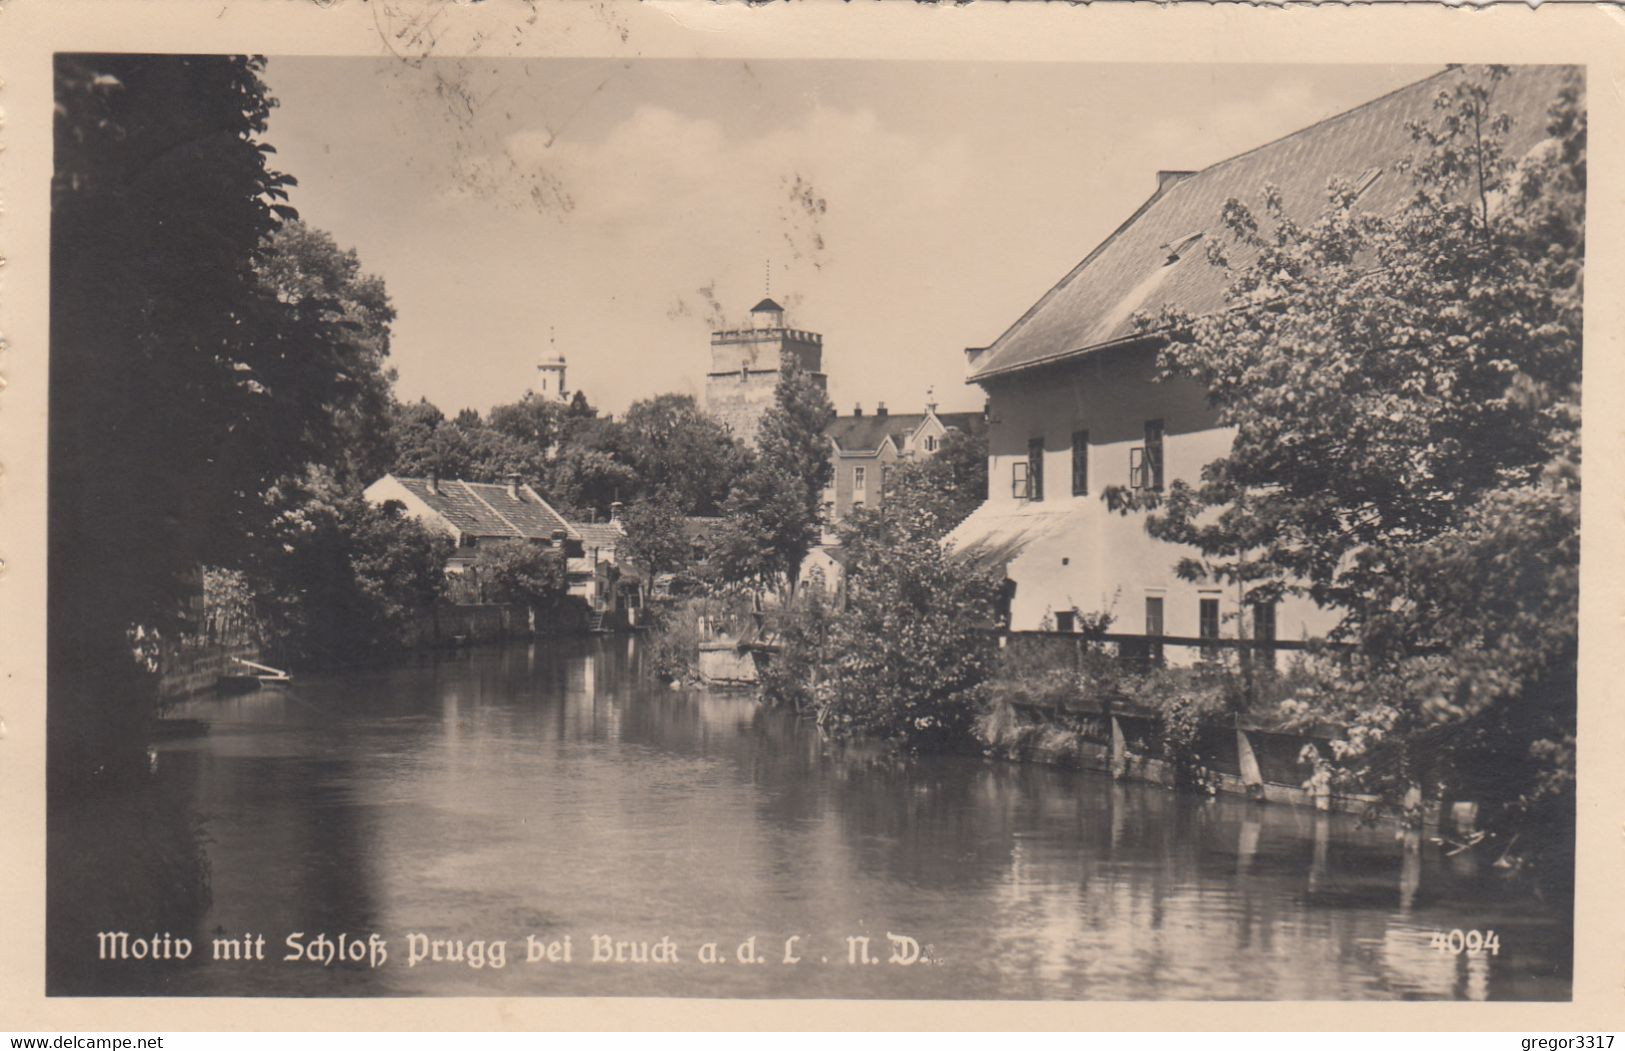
1074 403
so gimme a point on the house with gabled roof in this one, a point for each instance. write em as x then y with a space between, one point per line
476 513
614 585
863 449
1075 403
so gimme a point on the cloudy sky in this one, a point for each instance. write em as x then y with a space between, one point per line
618 208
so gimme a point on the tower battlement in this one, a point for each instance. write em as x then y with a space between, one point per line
746 362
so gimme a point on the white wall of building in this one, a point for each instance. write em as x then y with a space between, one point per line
1081 554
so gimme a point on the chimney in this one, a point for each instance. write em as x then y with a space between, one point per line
880 408
434 482
857 410
1166 179
615 510
513 484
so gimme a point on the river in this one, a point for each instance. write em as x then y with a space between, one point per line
536 793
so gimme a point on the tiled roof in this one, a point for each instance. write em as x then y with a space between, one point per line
482 509
599 534
863 434
969 422
1131 270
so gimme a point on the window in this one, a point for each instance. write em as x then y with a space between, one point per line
1208 626
1018 480
1153 625
1080 463
885 478
860 482
1264 631
1066 620
1179 246
1153 454
931 443
1035 469
1264 621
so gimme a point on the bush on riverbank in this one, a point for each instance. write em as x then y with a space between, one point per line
1030 704
803 631
342 580
911 646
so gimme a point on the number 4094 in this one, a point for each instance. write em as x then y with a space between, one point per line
1470 942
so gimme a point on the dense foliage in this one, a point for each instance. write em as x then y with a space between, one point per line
583 462
181 386
940 491
775 511
910 646
1404 389
316 280
343 580
514 571
656 541
679 453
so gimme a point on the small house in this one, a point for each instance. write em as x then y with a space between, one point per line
476 513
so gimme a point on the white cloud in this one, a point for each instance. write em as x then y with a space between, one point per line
660 176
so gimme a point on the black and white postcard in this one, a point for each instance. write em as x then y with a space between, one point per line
912 506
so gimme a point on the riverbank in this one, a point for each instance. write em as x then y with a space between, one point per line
192 667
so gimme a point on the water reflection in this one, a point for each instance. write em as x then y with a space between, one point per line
551 790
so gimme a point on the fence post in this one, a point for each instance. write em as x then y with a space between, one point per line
1119 749
1251 775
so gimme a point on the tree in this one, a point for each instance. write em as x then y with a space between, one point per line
308 273
765 531
492 456
677 450
1404 390
535 422
911 645
775 511
181 388
521 572
584 479
342 580
425 442
655 540
929 496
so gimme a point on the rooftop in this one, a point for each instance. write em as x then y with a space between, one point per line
1156 257
599 534
864 434
483 509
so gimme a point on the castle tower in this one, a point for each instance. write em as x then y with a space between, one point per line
745 365
549 384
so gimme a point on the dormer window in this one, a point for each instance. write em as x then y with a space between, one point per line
1179 246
